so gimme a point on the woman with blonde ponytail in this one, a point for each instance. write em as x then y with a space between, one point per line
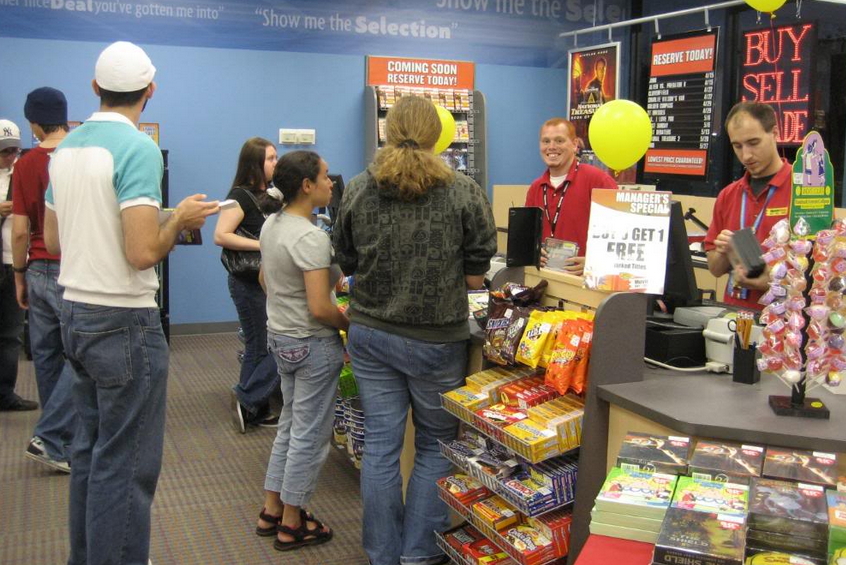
415 236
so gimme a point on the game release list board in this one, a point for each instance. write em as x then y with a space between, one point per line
680 103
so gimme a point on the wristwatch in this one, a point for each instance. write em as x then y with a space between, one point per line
20 269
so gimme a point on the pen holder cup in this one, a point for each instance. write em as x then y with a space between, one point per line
745 369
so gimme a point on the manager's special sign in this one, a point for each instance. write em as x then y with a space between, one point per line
627 241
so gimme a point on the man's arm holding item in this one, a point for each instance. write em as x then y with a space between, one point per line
20 250
146 242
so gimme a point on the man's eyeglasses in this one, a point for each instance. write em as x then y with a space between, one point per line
10 151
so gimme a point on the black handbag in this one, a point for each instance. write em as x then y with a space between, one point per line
241 263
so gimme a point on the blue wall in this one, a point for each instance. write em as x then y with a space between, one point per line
210 100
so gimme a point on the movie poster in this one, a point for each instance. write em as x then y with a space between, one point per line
594 80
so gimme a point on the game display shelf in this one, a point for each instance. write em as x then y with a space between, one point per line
467 153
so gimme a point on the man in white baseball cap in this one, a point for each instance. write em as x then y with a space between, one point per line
11 315
102 205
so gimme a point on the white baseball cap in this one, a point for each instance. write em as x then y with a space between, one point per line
10 135
124 67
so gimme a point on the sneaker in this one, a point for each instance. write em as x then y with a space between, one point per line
238 419
270 422
35 451
14 403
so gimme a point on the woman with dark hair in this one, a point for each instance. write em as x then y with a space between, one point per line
299 274
258 379
416 236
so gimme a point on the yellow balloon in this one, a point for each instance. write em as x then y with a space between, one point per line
620 133
447 129
766 5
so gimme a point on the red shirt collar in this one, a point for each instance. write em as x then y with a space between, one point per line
780 177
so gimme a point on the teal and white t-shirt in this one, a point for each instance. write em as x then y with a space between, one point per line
101 168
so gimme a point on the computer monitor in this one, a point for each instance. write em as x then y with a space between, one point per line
679 281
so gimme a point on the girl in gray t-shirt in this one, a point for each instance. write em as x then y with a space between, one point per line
303 322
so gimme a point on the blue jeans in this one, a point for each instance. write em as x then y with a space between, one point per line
394 373
258 379
52 372
309 369
119 357
11 328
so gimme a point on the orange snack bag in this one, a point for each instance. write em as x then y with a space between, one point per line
559 371
579 379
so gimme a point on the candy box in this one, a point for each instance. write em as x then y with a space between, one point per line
528 543
528 494
493 418
464 488
467 398
483 548
462 536
495 512
532 441
555 526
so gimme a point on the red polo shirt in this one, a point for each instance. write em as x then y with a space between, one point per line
29 185
575 209
727 217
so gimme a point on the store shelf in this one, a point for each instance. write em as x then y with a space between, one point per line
471 420
470 117
450 551
494 485
492 534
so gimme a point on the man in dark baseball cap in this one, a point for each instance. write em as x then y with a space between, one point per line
36 282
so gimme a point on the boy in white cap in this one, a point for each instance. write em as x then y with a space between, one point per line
102 207
11 316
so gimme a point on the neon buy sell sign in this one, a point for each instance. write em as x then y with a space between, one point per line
777 71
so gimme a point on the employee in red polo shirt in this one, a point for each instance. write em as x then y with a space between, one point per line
563 191
757 200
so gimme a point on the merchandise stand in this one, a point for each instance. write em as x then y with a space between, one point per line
475 145
616 357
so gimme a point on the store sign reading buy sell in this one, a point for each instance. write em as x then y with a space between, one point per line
420 73
777 71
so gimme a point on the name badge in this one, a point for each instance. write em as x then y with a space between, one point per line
777 211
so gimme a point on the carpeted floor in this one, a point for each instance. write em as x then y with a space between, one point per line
210 490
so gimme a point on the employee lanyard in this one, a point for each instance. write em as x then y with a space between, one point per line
554 220
757 223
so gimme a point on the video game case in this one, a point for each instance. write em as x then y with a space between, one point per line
758 541
627 521
711 496
703 538
788 508
622 532
559 252
836 502
813 467
724 461
650 452
777 558
639 493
